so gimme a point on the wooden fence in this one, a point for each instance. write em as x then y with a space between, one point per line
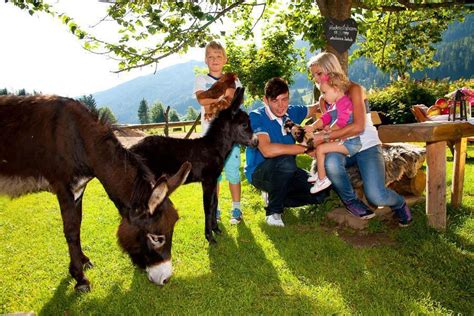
174 127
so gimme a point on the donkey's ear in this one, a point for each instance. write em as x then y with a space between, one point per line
179 177
238 99
158 194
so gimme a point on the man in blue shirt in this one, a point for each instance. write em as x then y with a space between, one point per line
272 166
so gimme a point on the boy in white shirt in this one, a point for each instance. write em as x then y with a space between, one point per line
215 59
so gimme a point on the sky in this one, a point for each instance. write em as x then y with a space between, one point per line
39 53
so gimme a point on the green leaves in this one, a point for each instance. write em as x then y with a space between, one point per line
397 35
402 42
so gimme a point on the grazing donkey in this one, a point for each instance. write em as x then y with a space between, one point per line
50 143
207 154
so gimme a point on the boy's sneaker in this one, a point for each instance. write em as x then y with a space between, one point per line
235 216
320 185
275 220
313 178
218 215
359 209
404 215
265 198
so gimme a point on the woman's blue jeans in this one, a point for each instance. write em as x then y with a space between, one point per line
286 184
372 171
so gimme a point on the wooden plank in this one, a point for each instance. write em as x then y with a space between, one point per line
436 184
374 115
459 162
154 125
425 132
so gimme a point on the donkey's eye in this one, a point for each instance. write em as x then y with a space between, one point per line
245 125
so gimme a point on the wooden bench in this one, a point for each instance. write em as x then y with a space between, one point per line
436 135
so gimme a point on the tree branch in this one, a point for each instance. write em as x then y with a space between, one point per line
181 43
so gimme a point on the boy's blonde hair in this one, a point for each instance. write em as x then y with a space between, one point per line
328 62
217 46
337 80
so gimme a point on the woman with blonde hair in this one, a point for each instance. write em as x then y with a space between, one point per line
369 159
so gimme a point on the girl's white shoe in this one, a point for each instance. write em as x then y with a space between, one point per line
320 185
313 178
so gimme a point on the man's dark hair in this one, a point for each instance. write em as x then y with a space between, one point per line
274 87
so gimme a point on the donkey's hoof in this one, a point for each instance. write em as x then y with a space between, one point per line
217 230
88 265
211 240
82 288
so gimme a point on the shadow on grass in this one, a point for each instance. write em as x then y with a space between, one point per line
456 218
423 273
252 279
248 285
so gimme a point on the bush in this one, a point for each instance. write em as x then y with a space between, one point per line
396 99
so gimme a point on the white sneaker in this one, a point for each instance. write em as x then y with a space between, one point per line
275 220
265 198
320 185
313 178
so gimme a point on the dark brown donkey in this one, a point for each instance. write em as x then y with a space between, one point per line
56 144
207 154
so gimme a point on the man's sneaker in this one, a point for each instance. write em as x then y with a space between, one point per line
265 198
313 178
218 215
359 209
235 216
404 215
320 185
275 220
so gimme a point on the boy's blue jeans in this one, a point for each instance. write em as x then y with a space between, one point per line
372 171
286 184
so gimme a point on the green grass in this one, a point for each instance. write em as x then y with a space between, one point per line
307 267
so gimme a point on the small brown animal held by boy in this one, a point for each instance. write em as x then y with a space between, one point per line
217 91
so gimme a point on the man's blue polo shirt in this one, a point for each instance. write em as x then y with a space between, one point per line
266 123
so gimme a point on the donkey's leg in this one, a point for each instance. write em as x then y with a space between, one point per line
71 226
86 263
213 208
209 191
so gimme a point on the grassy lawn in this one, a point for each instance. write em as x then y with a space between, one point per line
308 267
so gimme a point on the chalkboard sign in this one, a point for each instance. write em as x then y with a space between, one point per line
340 34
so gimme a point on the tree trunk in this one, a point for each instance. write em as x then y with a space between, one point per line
339 10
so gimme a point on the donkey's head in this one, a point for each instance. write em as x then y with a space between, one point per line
236 122
147 236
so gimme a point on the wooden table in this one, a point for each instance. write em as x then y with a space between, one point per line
436 135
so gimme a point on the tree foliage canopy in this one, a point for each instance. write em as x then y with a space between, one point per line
157 114
396 34
143 112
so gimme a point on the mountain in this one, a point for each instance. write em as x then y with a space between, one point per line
172 86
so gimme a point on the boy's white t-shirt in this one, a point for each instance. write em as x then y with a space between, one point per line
203 83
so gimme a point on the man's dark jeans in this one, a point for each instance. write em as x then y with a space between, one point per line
286 184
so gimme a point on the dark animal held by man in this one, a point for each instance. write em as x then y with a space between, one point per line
50 143
164 155
299 134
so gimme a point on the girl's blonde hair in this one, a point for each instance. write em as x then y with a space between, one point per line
328 62
337 80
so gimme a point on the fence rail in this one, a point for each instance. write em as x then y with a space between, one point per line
155 125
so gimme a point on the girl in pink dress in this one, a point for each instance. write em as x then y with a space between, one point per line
338 115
